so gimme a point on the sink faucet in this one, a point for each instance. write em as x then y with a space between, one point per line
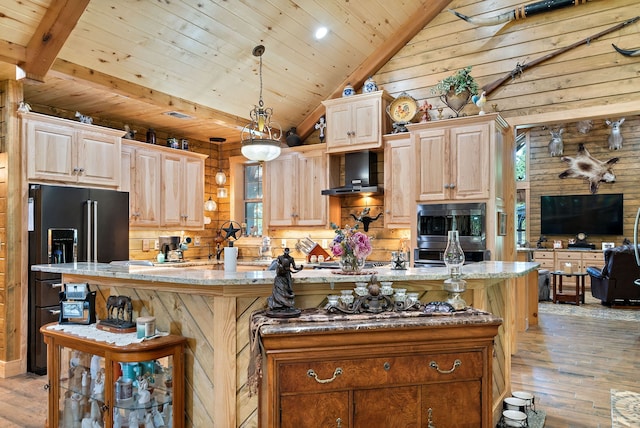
217 253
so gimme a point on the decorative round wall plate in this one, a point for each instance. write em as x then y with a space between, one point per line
403 109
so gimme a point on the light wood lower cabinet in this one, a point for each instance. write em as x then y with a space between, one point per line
380 377
580 260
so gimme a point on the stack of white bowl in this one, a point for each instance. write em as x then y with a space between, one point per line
516 408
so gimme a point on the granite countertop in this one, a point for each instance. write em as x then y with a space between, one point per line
210 277
319 320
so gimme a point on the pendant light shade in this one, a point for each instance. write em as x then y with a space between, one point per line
261 137
221 178
210 205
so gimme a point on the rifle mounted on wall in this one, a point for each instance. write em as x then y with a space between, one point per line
520 68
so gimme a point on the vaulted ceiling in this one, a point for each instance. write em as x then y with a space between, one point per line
133 61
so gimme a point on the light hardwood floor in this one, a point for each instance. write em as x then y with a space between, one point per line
570 364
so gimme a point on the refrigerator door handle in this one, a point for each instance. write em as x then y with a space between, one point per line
95 231
89 230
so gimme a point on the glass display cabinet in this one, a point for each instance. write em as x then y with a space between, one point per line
103 384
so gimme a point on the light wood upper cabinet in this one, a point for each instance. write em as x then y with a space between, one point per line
458 159
293 185
182 195
399 203
356 122
141 178
166 186
68 152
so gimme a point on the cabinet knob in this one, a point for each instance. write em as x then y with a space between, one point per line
75 170
452 186
339 423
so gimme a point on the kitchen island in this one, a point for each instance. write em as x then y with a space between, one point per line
212 309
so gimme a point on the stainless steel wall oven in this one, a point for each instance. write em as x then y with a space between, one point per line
434 221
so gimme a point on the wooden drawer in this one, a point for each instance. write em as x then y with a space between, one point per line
593 259
542 255
546 264
383 371
568 256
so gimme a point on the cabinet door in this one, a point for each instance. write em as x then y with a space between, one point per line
145 193
389 407
98 159
325 410
192 195
464 397
171 208
470 162
432 155
51 153
339 126
398 200
312 206
281 190
365 122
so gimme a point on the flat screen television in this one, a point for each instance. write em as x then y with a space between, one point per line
590 214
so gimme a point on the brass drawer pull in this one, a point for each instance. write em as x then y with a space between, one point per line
456 364
336 373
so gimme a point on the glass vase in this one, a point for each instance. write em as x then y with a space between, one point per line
453 255
351 263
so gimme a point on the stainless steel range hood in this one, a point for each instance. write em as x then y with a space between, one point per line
360 173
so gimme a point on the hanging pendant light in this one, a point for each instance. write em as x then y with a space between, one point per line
210 205
261 137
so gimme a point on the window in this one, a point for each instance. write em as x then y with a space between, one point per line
253 199
522 188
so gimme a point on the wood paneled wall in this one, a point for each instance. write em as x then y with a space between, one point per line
589 75
544 170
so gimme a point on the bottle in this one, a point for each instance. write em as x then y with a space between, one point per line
160 257
151 136
453 255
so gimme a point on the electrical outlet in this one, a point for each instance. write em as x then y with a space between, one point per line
196 241
156 244
283 243
145 245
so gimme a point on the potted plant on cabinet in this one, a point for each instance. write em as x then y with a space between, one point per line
456 90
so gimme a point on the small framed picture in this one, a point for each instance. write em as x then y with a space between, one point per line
607 245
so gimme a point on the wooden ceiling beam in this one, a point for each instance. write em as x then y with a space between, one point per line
50 36
416 22
86 76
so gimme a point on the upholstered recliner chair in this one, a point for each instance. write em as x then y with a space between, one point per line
615 281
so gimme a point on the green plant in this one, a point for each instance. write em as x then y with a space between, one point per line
460 81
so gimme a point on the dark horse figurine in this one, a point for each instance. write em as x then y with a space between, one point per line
119 304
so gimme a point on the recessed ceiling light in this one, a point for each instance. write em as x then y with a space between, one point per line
321 32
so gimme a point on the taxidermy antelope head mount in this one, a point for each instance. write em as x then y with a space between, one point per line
591 169
615 137
556 146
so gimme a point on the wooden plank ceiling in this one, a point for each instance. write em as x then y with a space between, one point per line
134 61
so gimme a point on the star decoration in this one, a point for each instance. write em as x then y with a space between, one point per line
231 231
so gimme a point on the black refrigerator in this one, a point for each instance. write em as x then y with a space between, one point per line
68 224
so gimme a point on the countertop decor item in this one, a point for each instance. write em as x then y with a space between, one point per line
261 137
351 246
456 90
369 86
348 90
402 111
281 302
